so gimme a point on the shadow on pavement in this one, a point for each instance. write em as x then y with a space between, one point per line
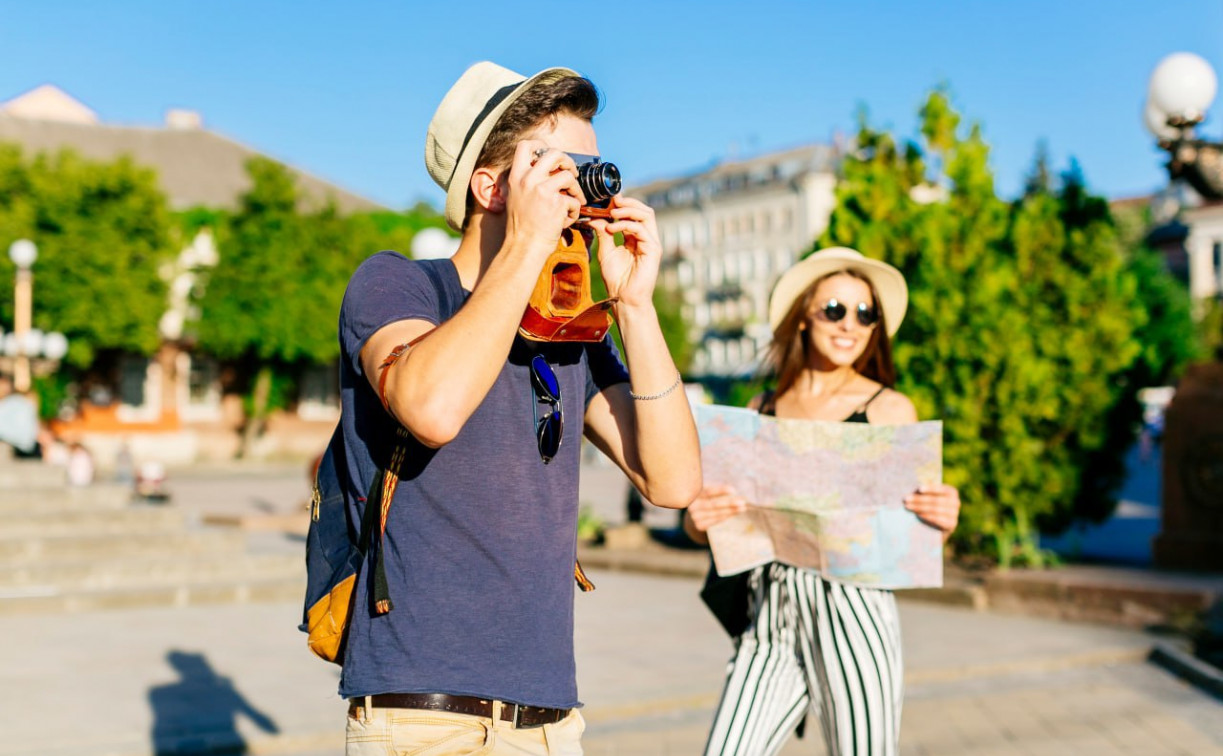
198 713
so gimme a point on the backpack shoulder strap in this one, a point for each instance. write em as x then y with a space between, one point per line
386 481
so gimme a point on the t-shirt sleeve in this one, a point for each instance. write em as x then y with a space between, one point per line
386 288
605 367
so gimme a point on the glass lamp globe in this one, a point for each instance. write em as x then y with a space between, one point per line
433 243
31 342
23 253
10 345
1156 122
55 345
1183 85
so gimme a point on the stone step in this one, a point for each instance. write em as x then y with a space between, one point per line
26 474
140 597
76 547
115 522
63 498
35 579
1124 596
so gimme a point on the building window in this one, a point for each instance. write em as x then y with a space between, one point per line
198 388
1217 254
202 381
133 374
684 271
319 396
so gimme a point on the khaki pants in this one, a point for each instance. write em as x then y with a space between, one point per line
420 732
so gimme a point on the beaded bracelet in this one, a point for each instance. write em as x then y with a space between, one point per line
660 394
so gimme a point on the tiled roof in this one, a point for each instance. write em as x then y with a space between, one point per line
812 157
195 166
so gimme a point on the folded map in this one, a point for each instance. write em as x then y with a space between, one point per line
824 495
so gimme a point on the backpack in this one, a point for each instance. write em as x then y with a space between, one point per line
335 550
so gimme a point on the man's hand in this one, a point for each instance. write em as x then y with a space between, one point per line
542 196
629 271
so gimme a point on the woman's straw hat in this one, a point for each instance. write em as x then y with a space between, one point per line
888 282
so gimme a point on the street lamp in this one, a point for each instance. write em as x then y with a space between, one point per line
26 342
23 253
1182 87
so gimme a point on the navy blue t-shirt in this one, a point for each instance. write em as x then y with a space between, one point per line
481 536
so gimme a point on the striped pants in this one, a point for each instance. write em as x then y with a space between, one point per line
833 647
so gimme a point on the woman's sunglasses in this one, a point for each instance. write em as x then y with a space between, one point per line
550 426
833 311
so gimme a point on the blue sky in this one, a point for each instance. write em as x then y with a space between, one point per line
346 90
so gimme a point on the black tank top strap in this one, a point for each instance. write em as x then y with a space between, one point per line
859 415
768 402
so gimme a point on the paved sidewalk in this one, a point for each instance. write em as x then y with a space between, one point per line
650 662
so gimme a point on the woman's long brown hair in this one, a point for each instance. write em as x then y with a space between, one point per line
789 354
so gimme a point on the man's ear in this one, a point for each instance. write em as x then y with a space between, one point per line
488 189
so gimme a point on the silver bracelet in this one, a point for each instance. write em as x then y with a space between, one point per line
660 394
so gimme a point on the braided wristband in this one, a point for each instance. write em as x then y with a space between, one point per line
660 394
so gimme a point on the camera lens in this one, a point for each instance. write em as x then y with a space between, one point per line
599 181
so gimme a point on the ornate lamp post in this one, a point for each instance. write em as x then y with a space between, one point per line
1182 87
26 342
23 253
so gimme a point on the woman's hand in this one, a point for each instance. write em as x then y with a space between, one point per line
937 504
629 271
713 505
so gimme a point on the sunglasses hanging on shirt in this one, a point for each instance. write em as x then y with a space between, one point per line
550 426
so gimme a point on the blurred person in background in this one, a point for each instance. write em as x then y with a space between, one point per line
80 465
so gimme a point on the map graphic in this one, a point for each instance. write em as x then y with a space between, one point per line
823 495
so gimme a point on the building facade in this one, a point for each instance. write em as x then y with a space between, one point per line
728 233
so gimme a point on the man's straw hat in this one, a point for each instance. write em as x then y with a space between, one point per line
888 283
463 121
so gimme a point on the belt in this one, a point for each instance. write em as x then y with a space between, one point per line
521 716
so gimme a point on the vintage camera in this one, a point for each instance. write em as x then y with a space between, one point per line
599 181
561 307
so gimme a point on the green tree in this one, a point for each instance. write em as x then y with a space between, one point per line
271 304
103 231
1026 321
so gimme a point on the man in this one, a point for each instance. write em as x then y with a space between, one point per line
479 546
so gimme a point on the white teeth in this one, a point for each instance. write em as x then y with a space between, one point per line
843 343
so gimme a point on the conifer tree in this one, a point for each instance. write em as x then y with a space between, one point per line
1025 324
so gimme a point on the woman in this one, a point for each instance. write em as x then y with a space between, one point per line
812 642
